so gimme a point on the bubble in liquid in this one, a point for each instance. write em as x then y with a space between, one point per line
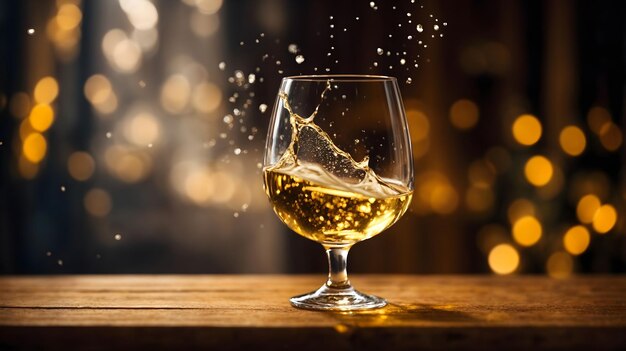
299 59
118 237
379 51
262 108
420 28
222 66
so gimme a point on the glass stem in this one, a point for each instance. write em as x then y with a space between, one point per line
337 268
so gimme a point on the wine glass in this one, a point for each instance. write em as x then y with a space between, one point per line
338 169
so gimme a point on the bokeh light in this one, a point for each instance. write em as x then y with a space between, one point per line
587 207
527 130
604 219
611 136
81 165
520 208
464 114
560 265
34 147
572 140
46 90
98 202
576 240
503 259
527 231
538 170
41 117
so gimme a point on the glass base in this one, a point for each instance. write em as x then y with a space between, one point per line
333 299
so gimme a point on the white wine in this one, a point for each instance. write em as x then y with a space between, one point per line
332 215
332 199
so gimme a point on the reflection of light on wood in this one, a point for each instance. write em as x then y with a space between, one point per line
527 231
538 170
576 240
503 259
604 219
560 265
527 130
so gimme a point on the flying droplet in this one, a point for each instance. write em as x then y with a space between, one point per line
402 61
60 262
299 59
108 135
420 28
237 151
31 31
262 108
436 27
251 78
222 66
372 4
409 80
293 48
62 188
379 51
118 237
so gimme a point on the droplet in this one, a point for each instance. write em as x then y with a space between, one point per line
62 188
31 31
228 119
372 4
436 27
293 48
262 108
299 59
379 51
237 151
60 262
108 135
142 84
251 78
48 253
236 214
118 237
420 28
402 61
409 80
222 66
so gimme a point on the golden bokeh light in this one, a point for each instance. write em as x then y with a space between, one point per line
503 259
481 174
419 126
587 207
538 170
68 17
81 165
46 90
203 25
527 130
520 208
576 240
207 97
98 89
34 147
41 117
97 202
491 235
464 114
527 231
142 14
598 117
130 166
611 136
604 219
175 93
142 129
199 186
435 194
208 7
126 56
572 140
560 265
498 159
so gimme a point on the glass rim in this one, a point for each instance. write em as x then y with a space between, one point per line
341 78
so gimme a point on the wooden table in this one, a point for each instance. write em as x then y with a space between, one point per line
252 313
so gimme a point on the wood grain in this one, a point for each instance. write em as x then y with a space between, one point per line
244 312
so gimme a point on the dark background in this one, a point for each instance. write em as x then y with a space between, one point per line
561 61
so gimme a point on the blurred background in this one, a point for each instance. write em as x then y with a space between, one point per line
132 133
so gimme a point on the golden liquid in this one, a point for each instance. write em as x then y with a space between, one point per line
315 203
331 216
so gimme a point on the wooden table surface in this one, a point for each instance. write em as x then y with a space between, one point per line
253 313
